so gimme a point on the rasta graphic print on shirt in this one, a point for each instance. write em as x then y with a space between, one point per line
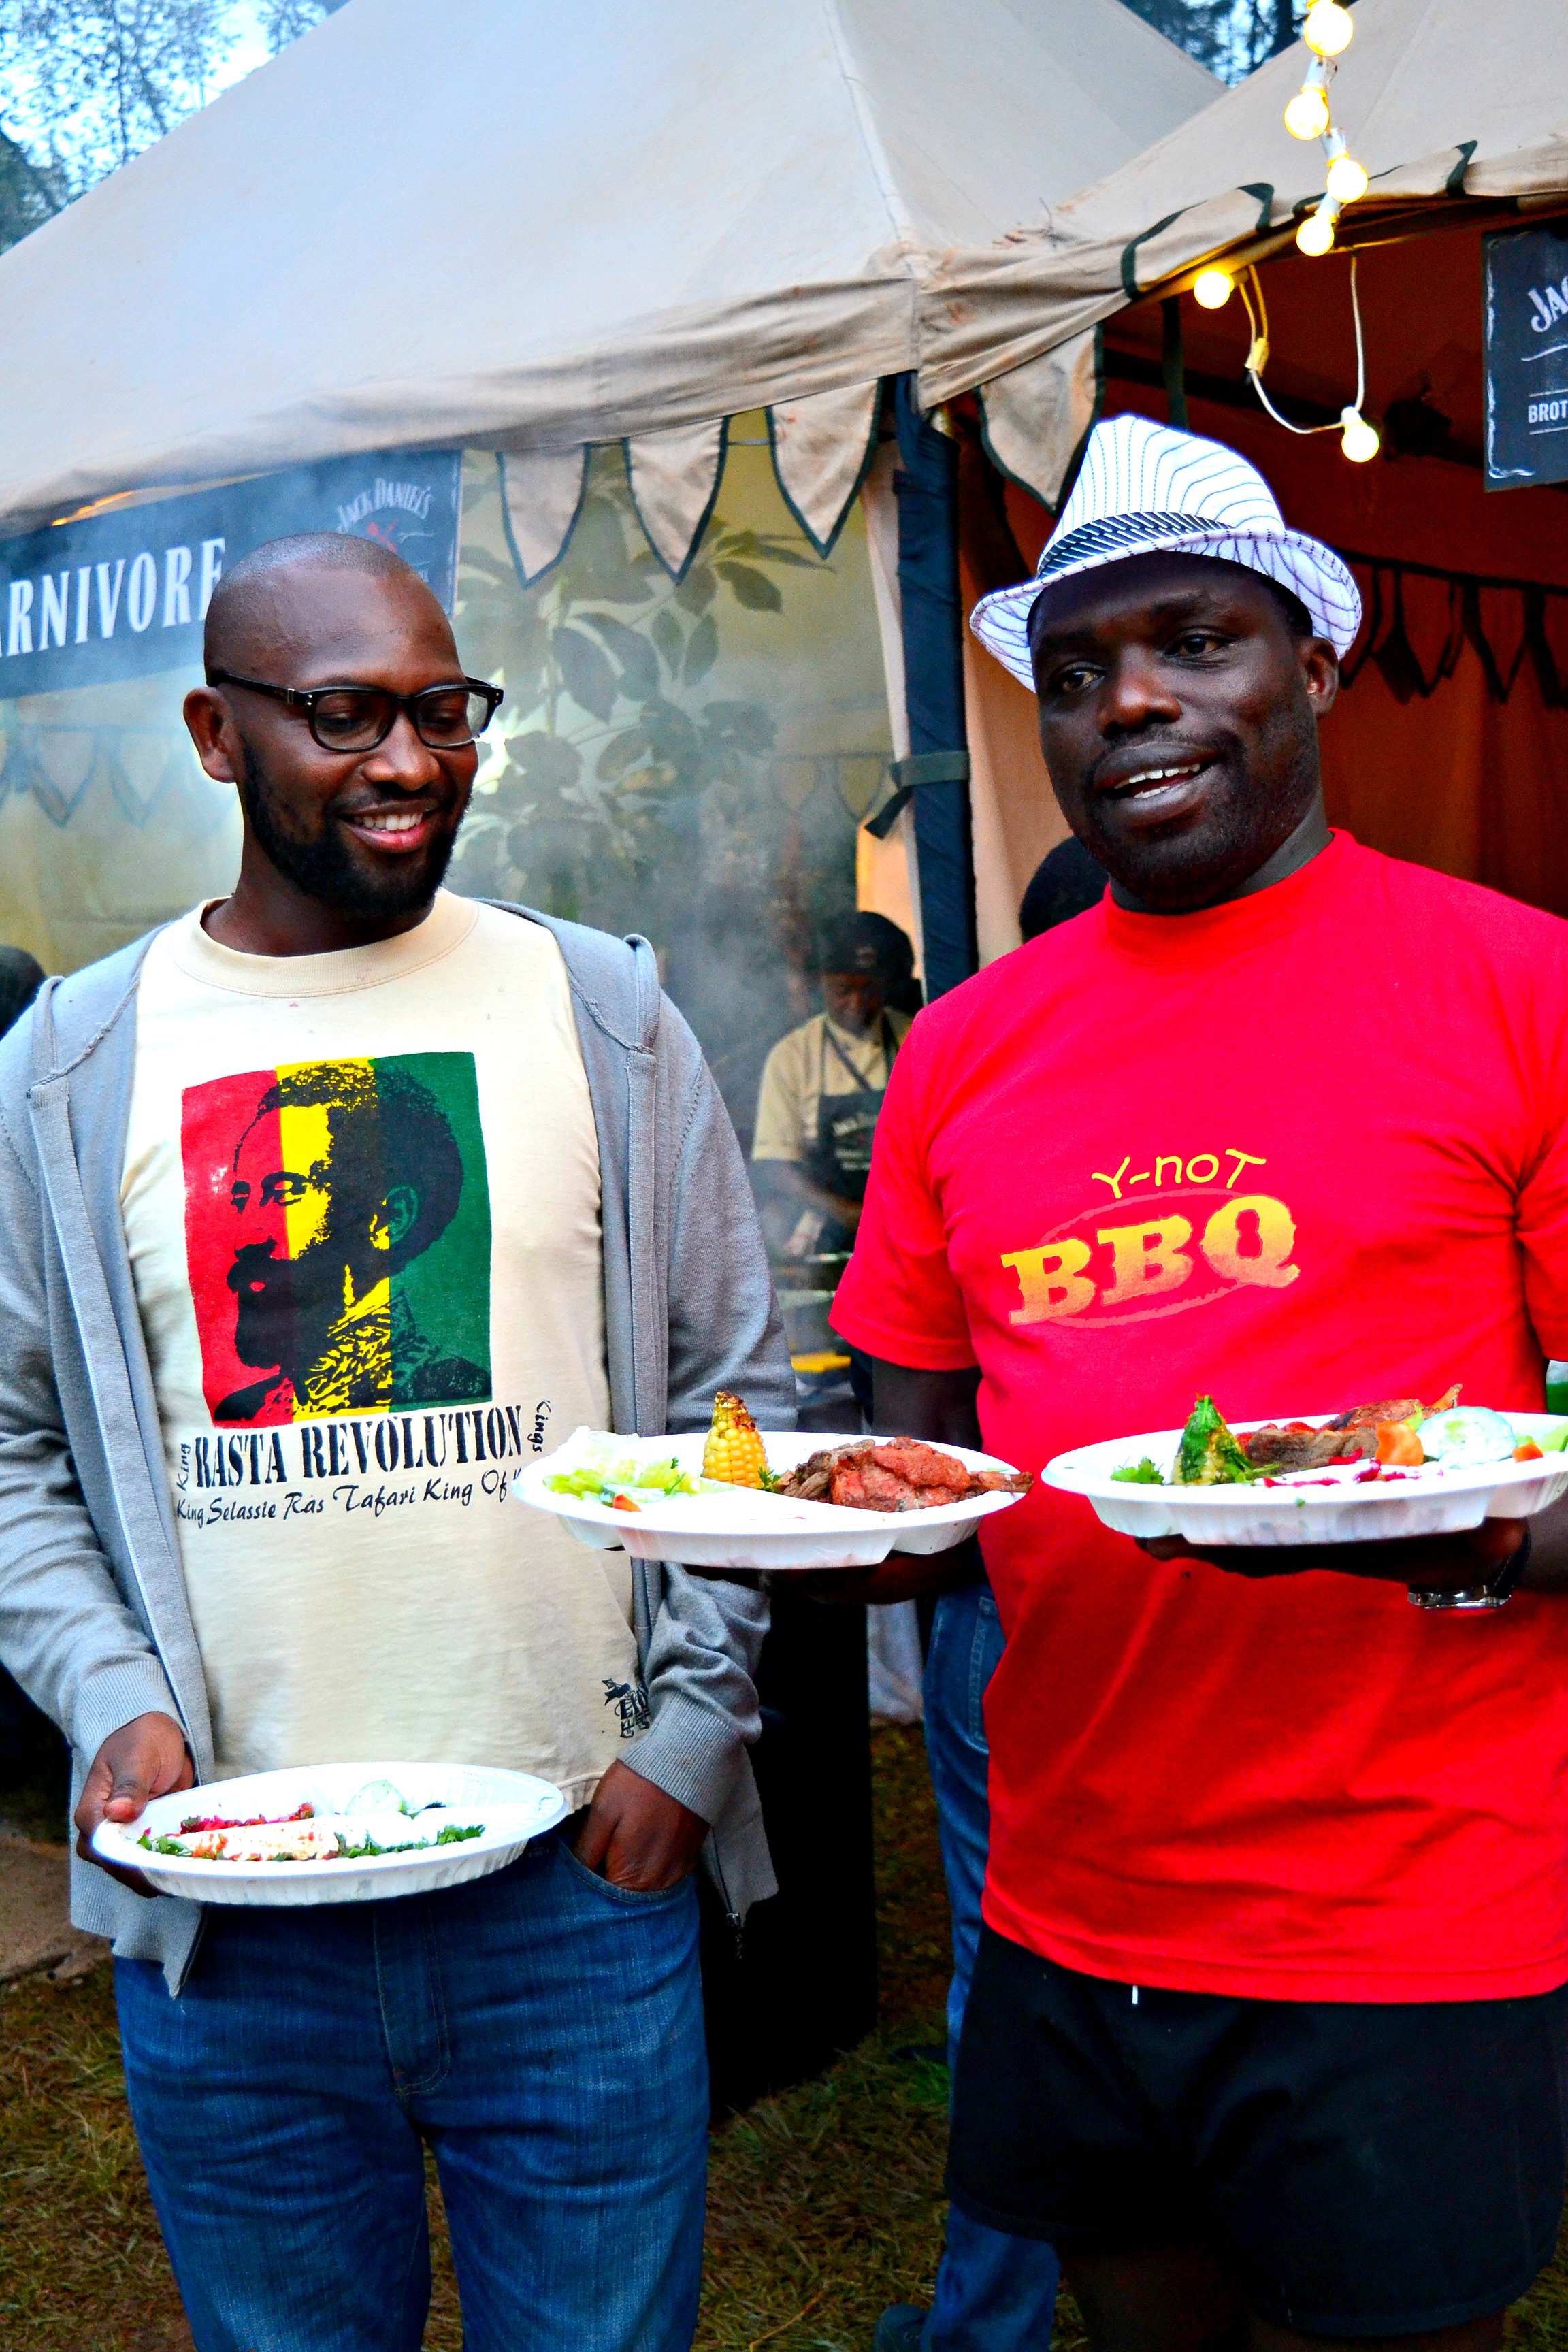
338 1237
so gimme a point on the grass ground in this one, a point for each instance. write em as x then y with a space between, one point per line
825 2202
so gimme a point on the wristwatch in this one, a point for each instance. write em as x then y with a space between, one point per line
1490 1595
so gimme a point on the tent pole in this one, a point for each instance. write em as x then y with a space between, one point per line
927 490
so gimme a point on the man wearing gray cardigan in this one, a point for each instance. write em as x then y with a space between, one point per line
320 1213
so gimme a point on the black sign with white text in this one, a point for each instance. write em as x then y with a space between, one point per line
1527 355
123 593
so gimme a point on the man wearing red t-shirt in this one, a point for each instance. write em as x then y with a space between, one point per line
1269 2030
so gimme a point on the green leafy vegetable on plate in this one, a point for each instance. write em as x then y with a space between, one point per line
596 1482
1143 1472
1209 1455
453 1834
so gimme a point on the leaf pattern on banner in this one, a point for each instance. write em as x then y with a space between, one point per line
589 679
701 651
631 652
754 589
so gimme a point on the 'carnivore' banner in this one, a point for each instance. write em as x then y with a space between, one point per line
121 594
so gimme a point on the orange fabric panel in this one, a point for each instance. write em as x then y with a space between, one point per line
1013 810
1473 787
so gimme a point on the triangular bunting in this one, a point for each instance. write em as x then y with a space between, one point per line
674 480
541 492
1036 416
822 448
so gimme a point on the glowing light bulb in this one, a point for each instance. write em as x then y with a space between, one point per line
1211 288
1346 180
1328 28
1359 439
1316 234
1307 116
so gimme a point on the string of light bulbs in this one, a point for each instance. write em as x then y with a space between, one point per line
1328 32
1358 439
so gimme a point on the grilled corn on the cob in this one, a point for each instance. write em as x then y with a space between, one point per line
734 1448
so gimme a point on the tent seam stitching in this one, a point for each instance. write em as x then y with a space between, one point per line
899 220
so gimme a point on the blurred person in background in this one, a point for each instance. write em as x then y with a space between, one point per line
1068 881
823 1084
995 2291
21 977
821 1093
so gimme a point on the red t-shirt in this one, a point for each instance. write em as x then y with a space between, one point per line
1299 1152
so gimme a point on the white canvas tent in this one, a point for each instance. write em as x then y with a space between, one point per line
1459 113
513 225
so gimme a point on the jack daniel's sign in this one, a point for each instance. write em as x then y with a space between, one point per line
120 593
1527 356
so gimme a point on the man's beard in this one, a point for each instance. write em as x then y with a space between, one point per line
327 869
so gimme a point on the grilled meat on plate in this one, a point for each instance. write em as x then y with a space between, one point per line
898 1474
1294 1445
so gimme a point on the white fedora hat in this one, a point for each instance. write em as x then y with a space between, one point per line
1142 487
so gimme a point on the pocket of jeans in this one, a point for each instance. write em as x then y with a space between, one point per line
633 1898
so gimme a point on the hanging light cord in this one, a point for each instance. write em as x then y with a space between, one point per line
1258 357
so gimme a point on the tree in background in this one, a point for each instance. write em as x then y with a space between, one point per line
29 196
1230 36
87 84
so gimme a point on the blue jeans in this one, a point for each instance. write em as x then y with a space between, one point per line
993 2293
540 2030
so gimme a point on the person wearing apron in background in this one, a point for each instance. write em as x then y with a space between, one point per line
822 1089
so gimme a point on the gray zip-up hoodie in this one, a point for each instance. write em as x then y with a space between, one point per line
94 1621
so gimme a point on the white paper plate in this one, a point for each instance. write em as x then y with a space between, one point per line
753 1530
513 1806
1434 1502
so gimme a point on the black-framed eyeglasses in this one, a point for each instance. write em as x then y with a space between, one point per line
358 718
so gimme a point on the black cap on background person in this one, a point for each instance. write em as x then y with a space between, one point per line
21 977
872 946
1067 882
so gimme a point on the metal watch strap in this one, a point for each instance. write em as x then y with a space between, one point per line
1471 1597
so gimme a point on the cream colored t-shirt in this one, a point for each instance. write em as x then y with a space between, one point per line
362 1201
802 1068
